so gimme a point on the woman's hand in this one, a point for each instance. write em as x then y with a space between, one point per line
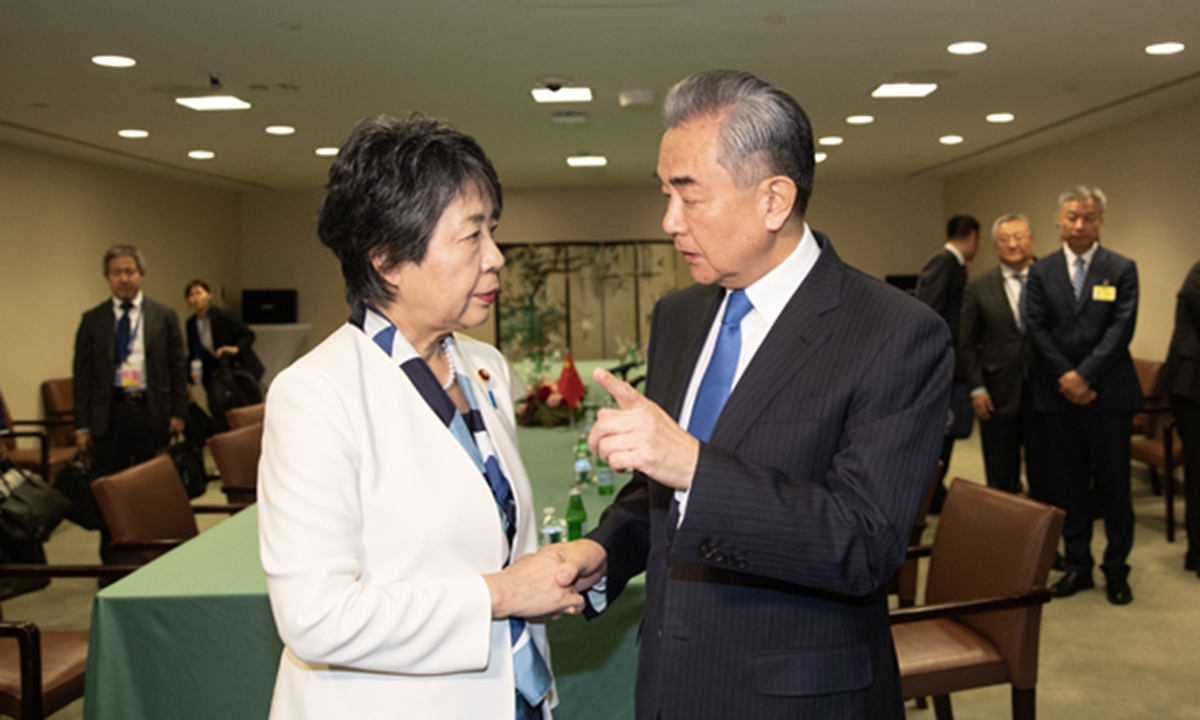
226 350
528 588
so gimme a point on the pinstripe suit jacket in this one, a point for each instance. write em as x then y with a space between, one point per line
767 601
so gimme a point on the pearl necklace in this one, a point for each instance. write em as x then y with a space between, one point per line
453 370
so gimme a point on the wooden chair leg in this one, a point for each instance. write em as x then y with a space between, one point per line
1024 703
1154 484
922 703
941 707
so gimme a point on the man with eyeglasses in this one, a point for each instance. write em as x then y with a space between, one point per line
999 362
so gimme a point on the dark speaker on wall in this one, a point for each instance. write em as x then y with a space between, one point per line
268 307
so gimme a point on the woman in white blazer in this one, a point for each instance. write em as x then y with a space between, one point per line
395 517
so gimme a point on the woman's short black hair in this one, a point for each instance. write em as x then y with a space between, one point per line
187 289
388 187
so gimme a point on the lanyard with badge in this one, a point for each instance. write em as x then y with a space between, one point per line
130 377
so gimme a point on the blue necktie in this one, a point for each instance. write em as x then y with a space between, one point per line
1080 276
718 378
123 333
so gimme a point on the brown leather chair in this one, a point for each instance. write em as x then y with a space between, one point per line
236 453
147 510
243 416
1155 442
59 401
40 672
984 592
46 460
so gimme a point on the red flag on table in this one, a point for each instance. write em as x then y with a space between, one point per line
570 385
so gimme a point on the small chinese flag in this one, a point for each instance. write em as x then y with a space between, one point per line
570 385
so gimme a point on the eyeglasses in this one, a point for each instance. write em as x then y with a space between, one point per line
1014 237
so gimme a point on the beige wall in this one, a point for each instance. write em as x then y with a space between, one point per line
901 226
1150 170
57 217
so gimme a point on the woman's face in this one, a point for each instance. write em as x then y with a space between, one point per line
457 282
198 299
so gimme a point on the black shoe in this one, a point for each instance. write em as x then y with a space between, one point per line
1072 583
1060 562
1118 591
1191 563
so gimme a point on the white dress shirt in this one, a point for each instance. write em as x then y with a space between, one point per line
1087 259
769 295
131 375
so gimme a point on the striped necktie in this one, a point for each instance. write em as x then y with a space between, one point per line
1080 277
531 675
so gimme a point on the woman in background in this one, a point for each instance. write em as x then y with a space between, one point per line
1181 380
395 517
213 333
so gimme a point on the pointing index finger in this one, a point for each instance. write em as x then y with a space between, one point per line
626 396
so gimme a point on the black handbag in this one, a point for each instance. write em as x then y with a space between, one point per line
31 507
189 463
75 481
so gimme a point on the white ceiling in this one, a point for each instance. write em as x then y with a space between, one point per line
1064 67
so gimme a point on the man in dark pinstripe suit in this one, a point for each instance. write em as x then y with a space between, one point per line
766 544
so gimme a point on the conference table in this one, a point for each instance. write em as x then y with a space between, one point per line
190 635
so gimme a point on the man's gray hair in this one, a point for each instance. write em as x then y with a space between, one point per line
765 132
1007 218
1083 192
125 251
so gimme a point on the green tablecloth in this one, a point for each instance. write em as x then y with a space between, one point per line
191 635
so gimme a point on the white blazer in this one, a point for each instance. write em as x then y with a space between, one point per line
375 530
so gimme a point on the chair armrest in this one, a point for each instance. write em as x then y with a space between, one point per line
29 650
232 508
969 607
148 545
918 551
53 571
45 423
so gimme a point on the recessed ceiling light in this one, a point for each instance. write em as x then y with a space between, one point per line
133 133
114 61
630 98
820 157
830 140
280 130
208 103
950 139
1165 48
903 90
970 47
562 95
587 161
1000 117
201 154
327 151
860 119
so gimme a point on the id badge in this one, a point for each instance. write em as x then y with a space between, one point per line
131 378
1104 293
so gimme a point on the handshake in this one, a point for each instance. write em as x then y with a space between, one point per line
550 582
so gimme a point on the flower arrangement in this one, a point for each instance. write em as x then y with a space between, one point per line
544 406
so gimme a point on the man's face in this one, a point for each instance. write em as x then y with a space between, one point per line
1080 221
972 244
718 226
124 277
1014 244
